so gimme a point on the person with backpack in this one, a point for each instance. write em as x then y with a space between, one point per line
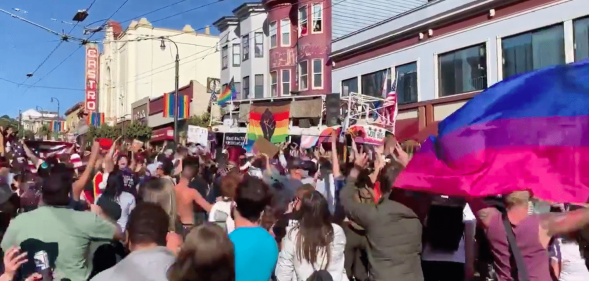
313 248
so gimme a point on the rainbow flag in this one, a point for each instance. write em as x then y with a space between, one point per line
228 94
96 119
528 132
183 107
57 126
270 121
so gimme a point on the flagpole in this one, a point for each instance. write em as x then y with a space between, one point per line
211 108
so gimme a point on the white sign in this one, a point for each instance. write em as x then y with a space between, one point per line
198 135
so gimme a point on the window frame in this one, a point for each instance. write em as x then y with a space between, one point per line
261 44
275 23
300 22
274 83
245 46
282 21
282 93
300 75
322 73
233 54
439 71
245 84
502 61
225 56
396 79
313 18
575 59
256 85
357 78
362 84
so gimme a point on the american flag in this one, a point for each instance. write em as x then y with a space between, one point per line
390 110
42 149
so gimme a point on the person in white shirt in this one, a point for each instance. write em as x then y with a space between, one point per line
313 245
220 213
567 260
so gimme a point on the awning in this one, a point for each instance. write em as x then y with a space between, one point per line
162 134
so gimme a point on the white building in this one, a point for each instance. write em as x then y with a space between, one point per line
133 65
245 51
446 51
33 120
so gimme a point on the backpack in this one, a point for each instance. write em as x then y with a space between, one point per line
320 275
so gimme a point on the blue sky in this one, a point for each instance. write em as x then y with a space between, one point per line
23 47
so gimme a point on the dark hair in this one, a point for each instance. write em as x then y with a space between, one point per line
251 198
207 255
167 167
148 223
315 230
182 150
56 189
190 167
114 185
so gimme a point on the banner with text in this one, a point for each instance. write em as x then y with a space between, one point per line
234 139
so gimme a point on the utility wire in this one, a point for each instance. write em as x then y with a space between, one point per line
42 87
186 11
153 11
107 19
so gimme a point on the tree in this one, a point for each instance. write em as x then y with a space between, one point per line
6 121
139 131
201 121
26 134
45 131
104 131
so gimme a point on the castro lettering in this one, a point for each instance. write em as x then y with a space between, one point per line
91 78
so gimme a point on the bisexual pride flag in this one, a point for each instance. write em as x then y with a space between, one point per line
529 132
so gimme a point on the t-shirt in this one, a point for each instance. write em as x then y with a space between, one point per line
572 262
127 202
256 253
149 264
65 236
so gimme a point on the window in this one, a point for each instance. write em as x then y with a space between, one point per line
273 34
273 84
259 44
350 86
285 33
303 24
373 83
285 82
533 50
245 42
259 86
303 76
581 27
236 54
463 71
406 79
246 87
237 86
317 73
317 18
224 56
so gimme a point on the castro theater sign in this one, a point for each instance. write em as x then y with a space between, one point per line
90 103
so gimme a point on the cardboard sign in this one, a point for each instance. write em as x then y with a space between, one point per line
234 139
368 134
264 146
136 145
198 135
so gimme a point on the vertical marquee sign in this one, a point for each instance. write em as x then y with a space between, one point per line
91 74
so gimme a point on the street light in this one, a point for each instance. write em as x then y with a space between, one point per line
176 107
55 99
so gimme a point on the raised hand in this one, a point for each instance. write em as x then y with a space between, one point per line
13 259
401 156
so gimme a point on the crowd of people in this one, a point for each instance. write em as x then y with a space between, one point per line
331 213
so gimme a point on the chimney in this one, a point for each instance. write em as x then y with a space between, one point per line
208 30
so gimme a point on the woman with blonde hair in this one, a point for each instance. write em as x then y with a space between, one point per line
158 191
207 255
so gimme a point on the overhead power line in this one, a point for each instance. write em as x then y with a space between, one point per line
186 11
42 87
153 11
110 17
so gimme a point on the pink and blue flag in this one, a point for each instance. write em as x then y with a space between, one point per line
529 132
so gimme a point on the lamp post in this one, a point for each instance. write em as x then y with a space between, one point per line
55 99
163 47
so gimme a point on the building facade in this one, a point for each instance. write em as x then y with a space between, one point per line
300 38
137 64
444 52
32 120
230 55
71 116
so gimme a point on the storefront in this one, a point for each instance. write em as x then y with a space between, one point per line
140 110
155 110
162 134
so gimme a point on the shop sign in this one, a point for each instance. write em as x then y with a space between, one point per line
90 102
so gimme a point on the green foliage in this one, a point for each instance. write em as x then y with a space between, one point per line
138 131
6 121
201 121
26 134
45 131
104 131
